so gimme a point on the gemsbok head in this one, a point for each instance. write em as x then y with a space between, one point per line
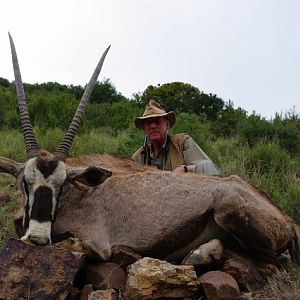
42 177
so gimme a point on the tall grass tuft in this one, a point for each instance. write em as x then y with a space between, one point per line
267 157
9 210
230 156
12 144
283 286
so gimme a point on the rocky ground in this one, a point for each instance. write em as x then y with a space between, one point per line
63 272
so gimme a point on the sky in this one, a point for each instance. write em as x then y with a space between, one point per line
245 51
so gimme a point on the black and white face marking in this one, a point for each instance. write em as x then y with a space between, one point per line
43 181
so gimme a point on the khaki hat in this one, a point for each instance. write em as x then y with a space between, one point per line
154 110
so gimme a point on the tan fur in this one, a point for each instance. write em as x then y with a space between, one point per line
140 207
117 165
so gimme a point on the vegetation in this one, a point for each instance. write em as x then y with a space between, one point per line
264 152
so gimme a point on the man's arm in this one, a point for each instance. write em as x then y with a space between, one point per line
196 160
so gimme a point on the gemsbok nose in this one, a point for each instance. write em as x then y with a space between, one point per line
38 233
39 240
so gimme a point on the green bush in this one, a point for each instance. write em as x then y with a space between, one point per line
230 155
267 157
287 132
255 129
292 206
228 121
132 139
50 111
117 116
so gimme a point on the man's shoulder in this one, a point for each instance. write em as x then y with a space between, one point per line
179 137
179 140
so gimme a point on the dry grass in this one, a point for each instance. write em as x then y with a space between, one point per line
283 286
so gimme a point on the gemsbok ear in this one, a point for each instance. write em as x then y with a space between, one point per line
90 176
11 167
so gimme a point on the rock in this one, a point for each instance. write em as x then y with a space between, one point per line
103 295
245 273
36 272
150 278
124 256
105 275
75 245
4 198
266 268
219 285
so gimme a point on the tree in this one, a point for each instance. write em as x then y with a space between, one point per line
228 120
105 92
182 97
4 82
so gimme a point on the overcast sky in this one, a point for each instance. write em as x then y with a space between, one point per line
246 51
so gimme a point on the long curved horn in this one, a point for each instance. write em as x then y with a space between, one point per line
30 141
65 144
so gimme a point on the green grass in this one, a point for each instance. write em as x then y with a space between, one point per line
8 210
96 141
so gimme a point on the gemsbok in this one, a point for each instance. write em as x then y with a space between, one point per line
107 201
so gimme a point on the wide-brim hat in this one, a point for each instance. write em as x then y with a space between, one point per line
154 110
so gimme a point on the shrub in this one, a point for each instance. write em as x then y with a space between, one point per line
292 206
267 157
55 109
255 129
118 116
230 155
287 132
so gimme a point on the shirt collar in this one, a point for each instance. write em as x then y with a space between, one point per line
163 147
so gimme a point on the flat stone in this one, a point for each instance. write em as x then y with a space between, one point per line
36 272
150 278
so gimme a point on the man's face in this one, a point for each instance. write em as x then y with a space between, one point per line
156 129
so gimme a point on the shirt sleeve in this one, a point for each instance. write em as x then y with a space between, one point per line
192 153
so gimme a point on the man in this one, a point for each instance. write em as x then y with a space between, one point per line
178 153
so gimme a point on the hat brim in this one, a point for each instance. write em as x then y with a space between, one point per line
139 122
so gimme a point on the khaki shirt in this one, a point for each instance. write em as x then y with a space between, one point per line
190 154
